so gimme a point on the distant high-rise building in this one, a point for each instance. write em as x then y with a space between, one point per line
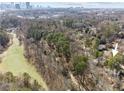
17 6
28 5
12 5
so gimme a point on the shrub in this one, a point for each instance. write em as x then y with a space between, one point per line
35 33
4 38
80 64
109 28
88 42
26 79
97 53
95 43
60 41
10 22
68 23
9 77
114 62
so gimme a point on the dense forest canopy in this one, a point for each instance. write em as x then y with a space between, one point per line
70 48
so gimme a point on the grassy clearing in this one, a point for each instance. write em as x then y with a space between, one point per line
14 61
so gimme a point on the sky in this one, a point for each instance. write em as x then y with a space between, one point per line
62 1
84 3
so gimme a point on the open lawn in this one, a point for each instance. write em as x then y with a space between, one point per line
13 60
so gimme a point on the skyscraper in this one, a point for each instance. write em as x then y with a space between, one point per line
12 5
17 6
28 5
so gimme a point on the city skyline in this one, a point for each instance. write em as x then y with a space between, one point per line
22 5
75 1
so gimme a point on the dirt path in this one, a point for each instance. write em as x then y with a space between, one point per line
13 60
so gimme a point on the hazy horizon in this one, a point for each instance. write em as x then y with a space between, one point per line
77 4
